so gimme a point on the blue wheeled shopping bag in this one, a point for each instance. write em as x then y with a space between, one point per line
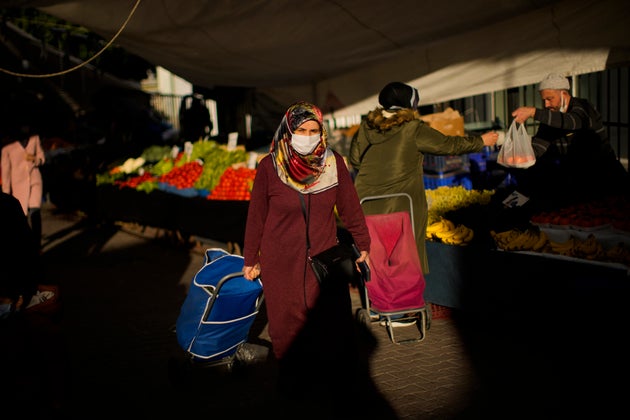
219 310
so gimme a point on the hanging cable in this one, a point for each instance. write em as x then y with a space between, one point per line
78 66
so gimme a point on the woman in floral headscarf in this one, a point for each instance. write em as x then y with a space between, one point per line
301 319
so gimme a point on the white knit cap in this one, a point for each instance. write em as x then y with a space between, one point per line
554 81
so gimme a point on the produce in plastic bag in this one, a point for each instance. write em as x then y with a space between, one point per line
517 150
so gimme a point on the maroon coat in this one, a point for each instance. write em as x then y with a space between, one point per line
275 236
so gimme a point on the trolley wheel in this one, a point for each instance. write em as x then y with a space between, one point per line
363 316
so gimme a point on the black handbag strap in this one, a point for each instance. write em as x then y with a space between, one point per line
304 212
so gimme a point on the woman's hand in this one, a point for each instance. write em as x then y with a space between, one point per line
490 138
363 258
251 273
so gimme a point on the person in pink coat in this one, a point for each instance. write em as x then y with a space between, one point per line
21 177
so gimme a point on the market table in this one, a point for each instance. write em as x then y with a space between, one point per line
219 220
464 277
460 276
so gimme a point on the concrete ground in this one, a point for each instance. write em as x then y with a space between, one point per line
122 288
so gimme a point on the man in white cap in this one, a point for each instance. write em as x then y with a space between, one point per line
573 152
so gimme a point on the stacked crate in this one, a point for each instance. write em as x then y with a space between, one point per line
446 171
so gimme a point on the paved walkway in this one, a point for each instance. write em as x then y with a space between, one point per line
122 293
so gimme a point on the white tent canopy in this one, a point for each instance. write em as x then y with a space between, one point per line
340 53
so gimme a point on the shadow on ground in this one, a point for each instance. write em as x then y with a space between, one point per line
121 295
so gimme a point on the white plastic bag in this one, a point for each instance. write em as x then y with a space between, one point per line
517 150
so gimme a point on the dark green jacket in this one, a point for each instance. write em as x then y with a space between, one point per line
387 154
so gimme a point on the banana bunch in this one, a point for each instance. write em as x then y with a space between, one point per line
619 253
534 239
439 226
564 248
589 248
521 240
502 239
446 232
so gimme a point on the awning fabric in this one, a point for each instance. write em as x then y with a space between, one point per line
339 54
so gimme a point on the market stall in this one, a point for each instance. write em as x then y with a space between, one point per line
219 220
515 252
202 190
483 245
466 277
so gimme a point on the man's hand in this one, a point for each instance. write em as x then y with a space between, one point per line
523 113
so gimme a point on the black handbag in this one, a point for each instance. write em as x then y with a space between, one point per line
337 261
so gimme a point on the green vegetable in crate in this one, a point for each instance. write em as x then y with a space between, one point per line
147 186
155 153
216 161
108 178
163 166
203 148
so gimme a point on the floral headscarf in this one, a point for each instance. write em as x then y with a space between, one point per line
311 173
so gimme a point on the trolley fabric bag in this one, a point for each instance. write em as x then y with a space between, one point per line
220 308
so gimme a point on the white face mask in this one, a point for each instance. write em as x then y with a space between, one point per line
304 144
563 105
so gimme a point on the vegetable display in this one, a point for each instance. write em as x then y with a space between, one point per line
183 176
205 166
235 184
444 199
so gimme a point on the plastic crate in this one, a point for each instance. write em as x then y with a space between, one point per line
432 182
184 192
477 161
440 312
442 164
